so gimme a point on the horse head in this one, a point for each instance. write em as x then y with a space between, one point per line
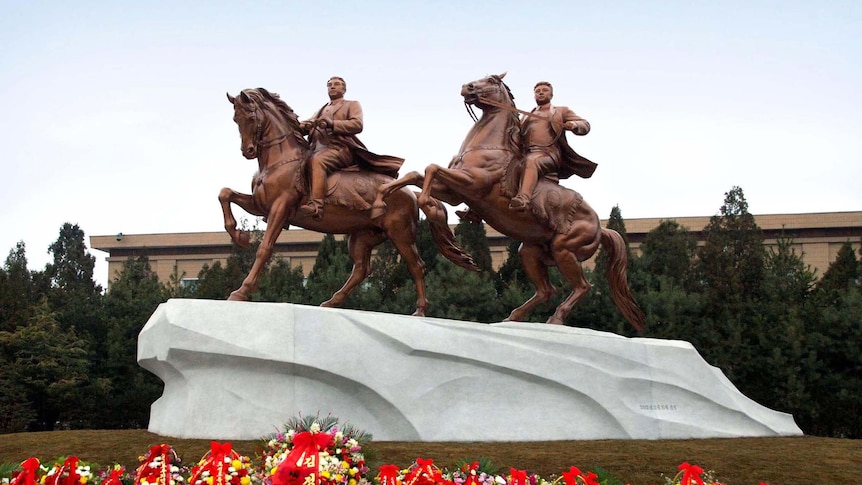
249 119
263 118
488 88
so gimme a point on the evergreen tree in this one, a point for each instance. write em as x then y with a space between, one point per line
17 289
51 365
283 283
511 272
473 239
461 295
331 269
216 282
836 330
842 273
74 294
731 261
133 298
730 277
790 365
668 250
663 268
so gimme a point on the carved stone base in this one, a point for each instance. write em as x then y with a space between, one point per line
236 370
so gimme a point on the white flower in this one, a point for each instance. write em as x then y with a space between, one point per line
500 480
315 427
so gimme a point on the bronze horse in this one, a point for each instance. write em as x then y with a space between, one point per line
270 132
561 230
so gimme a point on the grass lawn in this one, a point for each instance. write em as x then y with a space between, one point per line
739 461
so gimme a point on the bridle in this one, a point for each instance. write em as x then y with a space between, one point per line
259 143
485 90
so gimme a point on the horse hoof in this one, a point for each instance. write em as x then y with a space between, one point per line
242 240
555 320
237 296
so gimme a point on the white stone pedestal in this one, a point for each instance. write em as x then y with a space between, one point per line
239 370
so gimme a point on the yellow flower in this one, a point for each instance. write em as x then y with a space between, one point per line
344 464
338 477
354 471
244 480
83 480
236 464
209 481
325 474
352 481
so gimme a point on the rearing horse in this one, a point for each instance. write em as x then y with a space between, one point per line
561 229
270 132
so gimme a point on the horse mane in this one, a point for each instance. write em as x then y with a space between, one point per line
513 124
272 103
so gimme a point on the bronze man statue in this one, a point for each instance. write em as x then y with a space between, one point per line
332 133
547 151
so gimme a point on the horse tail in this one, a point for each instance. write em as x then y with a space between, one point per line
444 238
615 247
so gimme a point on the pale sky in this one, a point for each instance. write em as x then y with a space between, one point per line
115 115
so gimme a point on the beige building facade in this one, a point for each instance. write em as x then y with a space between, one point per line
817 236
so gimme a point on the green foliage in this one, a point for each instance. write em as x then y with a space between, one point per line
331 269
133 298
283 282
483 465
51 364
216 282
473 239
461 295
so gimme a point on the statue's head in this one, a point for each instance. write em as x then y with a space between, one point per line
543 92
336 87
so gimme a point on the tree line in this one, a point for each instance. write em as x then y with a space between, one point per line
787 338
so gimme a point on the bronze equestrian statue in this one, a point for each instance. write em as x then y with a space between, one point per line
556 228
270 132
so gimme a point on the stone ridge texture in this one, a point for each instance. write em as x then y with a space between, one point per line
239 370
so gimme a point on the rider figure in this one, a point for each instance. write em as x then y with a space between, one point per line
547 151
332 133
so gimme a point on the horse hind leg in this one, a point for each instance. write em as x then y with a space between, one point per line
359 246
573 272
533 261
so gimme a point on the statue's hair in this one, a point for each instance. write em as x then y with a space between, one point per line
544 83
340 79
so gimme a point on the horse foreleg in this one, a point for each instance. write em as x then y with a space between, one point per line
359 246
571 269
378 208
277 219
532 260
227 196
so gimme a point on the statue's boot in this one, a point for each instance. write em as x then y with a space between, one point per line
313 209
520 202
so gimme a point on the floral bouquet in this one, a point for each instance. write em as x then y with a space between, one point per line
315 451
221 466
160 466
70 472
